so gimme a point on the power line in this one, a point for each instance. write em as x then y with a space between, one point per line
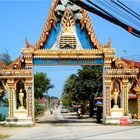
111 18
121 13
110 8
133 31
100 9
132 12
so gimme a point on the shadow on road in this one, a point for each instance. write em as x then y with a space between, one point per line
65 121
69 119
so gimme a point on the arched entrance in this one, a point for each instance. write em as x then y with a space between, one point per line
68 38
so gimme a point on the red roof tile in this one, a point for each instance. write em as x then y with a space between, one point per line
136 64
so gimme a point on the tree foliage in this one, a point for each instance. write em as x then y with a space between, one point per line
41 84
39 108
89 82
67 95
83 86
5 57
2 92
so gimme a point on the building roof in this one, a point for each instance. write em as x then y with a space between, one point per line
135 64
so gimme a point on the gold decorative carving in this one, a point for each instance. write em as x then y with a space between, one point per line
68 20
14 65
122 73
3 65
86 22
28 81
68 53
137 88
51 22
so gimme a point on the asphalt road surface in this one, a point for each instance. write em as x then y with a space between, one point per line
67 126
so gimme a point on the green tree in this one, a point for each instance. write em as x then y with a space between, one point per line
2 93
5 102
41 84
67 95
83 88
5 57
39 108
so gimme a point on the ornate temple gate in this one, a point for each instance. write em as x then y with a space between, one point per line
68 38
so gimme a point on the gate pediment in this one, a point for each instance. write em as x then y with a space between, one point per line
68 34
67 27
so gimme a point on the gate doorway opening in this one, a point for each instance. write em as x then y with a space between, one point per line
65 91
68 38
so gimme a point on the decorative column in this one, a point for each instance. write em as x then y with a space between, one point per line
108 56
28 62
10 83
28 57
106 95
138 101
30 98
125 96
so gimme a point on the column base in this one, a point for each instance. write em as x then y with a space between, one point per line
116 119
19 122
20 118
138 116
116 112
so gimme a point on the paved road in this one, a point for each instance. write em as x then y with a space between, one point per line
66 126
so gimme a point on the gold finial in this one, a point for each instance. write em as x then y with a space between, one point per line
27 43
108 43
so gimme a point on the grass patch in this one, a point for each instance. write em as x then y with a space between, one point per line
136 123
4 136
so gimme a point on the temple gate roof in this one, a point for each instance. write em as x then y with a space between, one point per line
69 26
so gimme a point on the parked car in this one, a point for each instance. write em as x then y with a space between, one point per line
64 109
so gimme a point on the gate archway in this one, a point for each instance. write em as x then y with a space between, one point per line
68 38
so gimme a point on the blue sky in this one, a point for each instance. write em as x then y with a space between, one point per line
21 19
58 76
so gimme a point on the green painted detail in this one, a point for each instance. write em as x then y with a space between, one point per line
62 7
64 2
